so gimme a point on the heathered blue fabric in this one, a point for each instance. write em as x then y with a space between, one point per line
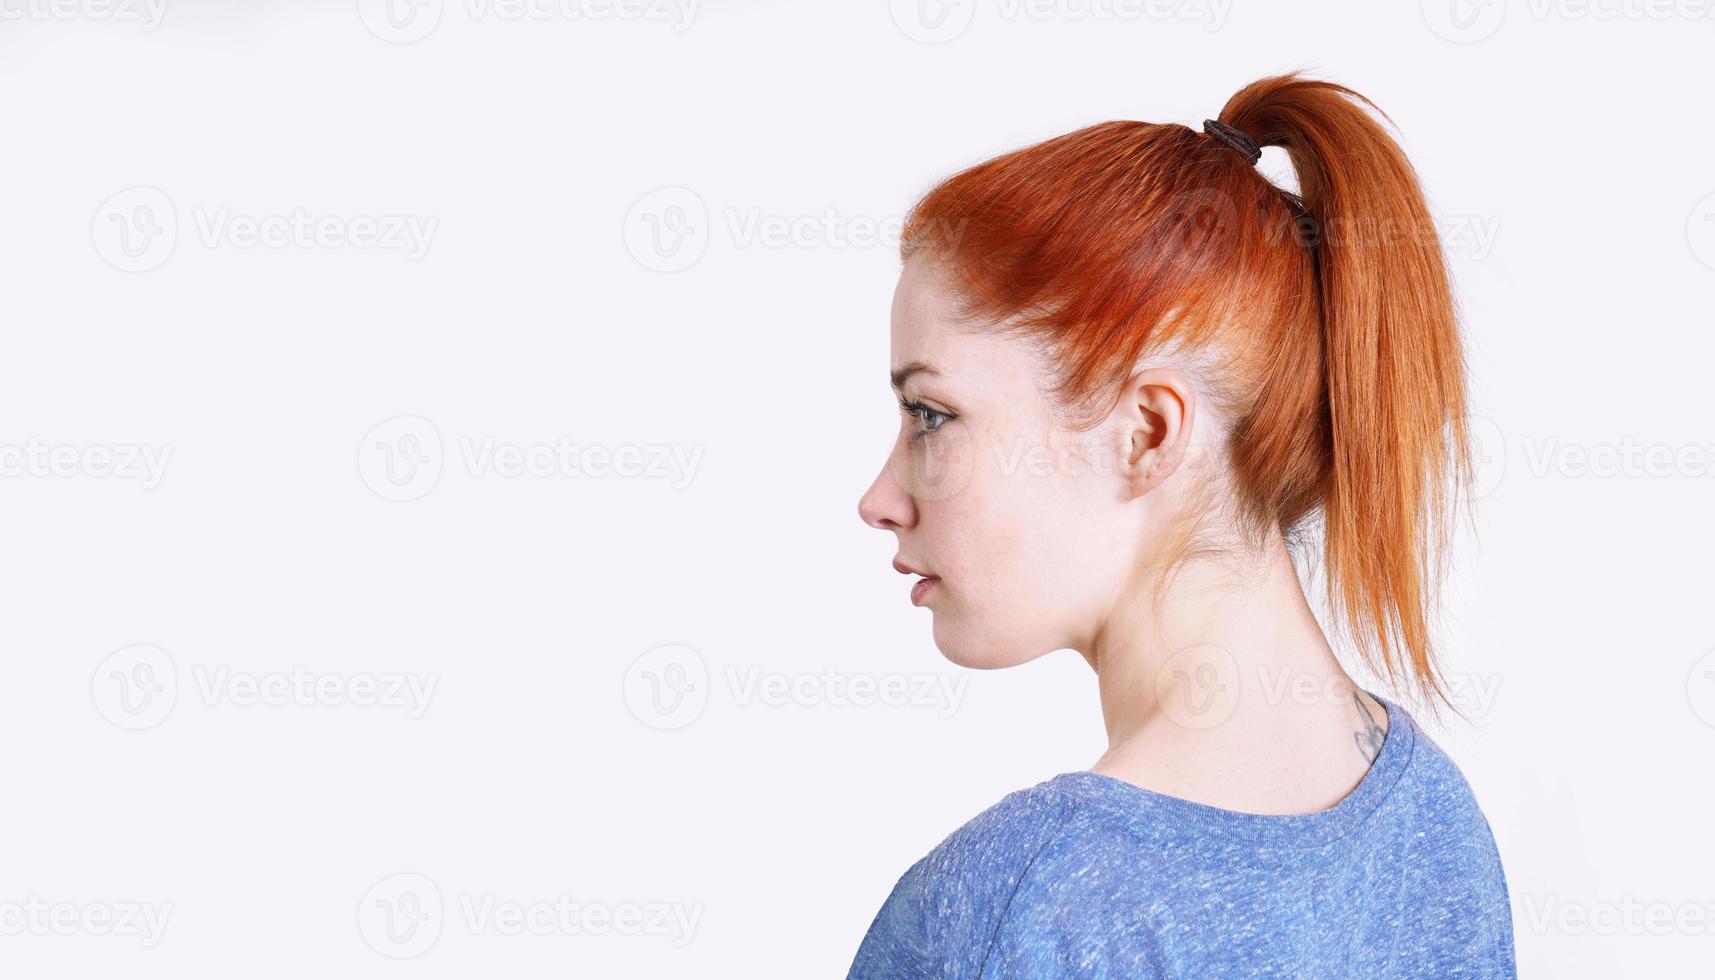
1084 875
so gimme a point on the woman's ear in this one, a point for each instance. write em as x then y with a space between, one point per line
1153 418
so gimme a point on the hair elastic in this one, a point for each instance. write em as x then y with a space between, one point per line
1233 138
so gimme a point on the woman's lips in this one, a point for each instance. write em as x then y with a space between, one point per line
921 588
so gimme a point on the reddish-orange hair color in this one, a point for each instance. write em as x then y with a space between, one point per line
1340 365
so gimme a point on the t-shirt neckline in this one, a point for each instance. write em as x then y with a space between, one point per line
1145 807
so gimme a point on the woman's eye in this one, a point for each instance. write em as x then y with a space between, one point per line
928 419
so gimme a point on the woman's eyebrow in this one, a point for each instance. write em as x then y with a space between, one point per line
900 375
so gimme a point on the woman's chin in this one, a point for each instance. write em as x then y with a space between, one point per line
977 653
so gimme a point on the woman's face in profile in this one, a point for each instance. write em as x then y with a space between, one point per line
1023 521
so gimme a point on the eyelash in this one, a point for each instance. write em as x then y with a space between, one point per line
918 411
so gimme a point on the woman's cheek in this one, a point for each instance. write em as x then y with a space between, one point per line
944 464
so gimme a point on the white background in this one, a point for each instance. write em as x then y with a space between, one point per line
560 295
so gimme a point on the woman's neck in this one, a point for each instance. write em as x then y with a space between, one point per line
1228 692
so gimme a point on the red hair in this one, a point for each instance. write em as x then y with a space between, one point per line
1329 314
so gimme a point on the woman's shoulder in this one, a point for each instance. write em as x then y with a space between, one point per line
946 905
1438 790
1020 822
991 851
1441 814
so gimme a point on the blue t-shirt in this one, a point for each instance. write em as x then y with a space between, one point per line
1085 875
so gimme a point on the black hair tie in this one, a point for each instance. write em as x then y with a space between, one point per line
1233 138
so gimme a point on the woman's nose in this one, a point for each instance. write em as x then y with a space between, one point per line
886 505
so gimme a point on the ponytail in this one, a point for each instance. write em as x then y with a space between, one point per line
1339 363
1392 362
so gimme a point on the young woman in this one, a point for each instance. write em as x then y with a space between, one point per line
1136 378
